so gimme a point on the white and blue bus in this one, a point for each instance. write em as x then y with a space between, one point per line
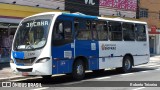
69 43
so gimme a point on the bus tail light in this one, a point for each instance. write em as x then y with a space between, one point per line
42 60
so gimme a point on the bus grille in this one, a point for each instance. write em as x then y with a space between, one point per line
24 70
26 62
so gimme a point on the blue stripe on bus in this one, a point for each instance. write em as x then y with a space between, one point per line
19 55
80 16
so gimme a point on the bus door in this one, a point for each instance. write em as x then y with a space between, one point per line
85 42
62 45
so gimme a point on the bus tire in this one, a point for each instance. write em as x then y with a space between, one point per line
78 72
126 65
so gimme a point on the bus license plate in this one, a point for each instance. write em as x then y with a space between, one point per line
24 73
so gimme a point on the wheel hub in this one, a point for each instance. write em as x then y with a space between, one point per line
127 64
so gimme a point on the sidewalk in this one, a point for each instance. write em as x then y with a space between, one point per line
7 74
154 57
4 59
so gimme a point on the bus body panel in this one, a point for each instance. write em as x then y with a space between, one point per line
89 49
19 55
62 66
114 51
63 55
62 59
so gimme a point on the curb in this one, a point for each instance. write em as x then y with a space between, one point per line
12 78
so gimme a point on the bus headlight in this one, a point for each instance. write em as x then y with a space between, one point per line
11 61
42 60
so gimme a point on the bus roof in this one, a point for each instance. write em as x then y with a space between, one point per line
80 15
121 19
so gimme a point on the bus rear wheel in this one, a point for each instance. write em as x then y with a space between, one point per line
127 65
78 72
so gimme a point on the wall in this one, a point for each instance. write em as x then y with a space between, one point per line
123 8
17 11
52 4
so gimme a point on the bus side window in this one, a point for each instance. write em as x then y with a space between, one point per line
62 33
58 31
115 31
128 31
102 30
83 31
140 32
68 30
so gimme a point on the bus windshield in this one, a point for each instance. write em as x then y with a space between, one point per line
32 33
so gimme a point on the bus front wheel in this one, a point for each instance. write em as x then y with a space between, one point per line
78 72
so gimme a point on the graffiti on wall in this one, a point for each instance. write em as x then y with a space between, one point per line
130 5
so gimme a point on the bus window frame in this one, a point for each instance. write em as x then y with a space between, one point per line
144 25
111 31
106 22
133 32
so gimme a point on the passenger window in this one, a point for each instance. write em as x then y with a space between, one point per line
83 31
128 32
115 31
102 30
140 32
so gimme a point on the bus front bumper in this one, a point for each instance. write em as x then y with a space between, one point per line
35 69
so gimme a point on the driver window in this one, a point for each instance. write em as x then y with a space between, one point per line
62 32
59 34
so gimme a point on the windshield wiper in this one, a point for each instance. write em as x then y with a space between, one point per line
31 47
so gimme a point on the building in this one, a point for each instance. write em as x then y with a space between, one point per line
122 8
149 11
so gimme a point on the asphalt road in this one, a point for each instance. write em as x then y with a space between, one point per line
137 79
